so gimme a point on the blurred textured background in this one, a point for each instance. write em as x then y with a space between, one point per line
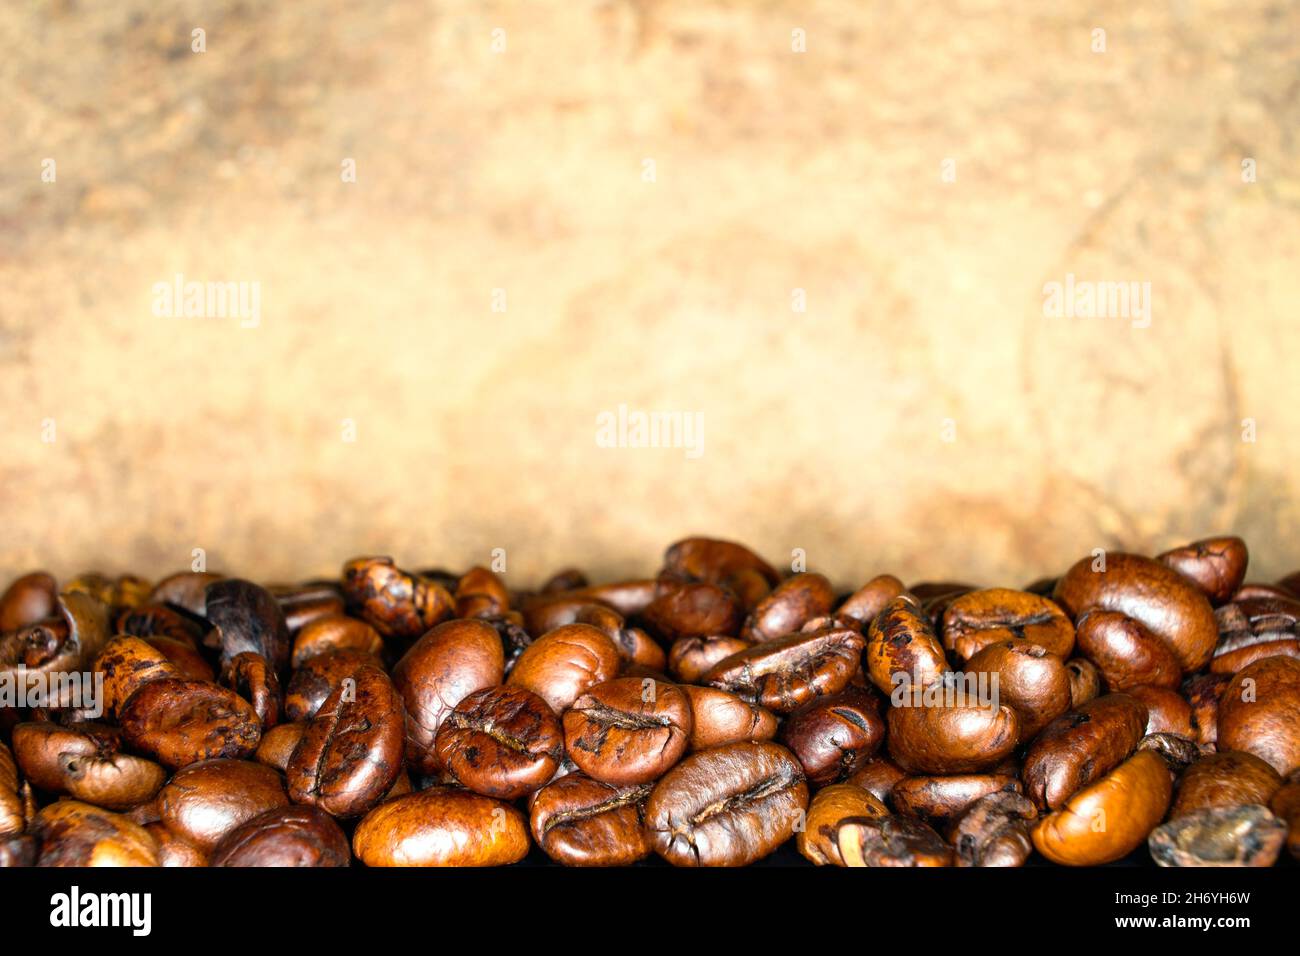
920 172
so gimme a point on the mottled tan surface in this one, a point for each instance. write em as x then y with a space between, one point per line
522 170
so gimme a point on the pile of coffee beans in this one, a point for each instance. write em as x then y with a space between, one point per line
706 716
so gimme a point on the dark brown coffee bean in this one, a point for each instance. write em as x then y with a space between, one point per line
1202 693
720 717
891 841
1215 565
205 801
1227 779
70 640
1286 805
947 797
185 657
179 722
1259 712
128 663
1032 681
817 839
1080 747
728 806
1252 629
286 836
832 735
395 603
902 648
335 632
869 600
691 658
569 579
351 752
251 677
1167 711
879 775
722 563
72 833
187 590
783 674
953 735
692 609
318 677
441 827
995 831
1178 752
1242 835
579 821
1085 681
85 761
441 668
628 731
1126 653
302 604
480 593
792 603
31 598
172 850
247 618
278 744
1161 599
561 666
1107 820
503 742
996 615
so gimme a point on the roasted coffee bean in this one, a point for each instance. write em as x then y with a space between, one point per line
318 677
891 841
975 620
720 717
831 736
278 744
692 609
817 840
123 591
1215 565
628 731
789 606
179 722
72 833
935 597
286 836
186 589
395 603
995 830
1252 629
85 761
1105 821
1202 693
579 821
722 563
172 850
1242 835
303 603
570 579
1126 653
185 657
879 775
634 645
1286 805
1259 712
691 658
13 819
951 735
28 600
206 800
902 647
251 677
335 632
18 850
1227 779
441 827
1161 599
1085 681
1032 681
69 640
480 593
785 673
161 620
869 600
1082 746
503 742
1179 753
247 618
351 752
563 665
128 663
728 806
1167 711
441 668
947 797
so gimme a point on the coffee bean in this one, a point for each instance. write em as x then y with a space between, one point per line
817 840
628 731
179 722
562 665
1125 652
789 606
335 632
395 603
1030 680
248 618
1259 712
690 658
1080 747
441 827
206 800
996 615
294 836
947 797
879 775
1085 681
902 647
319 676
790 671
891 841
503 742
72 833
831 736
85 761
957 737
720 717
1167 711
1241 835
869 600
1215 565
29 599
579 821
995 831
1227 779
1254 628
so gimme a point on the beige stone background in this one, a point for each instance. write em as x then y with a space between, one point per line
522 170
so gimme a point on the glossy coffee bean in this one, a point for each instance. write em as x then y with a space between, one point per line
628 731
902 647
186 589
305 603
692 609
817 840
205 801
995 831
441 827
891 842
783 674
938 798
568 579
251 677
1167 711
996 615
958 737
441 668
720 717
691 658
579 821
789 606
1085 681
1215 565
480 593
1286 807
185 657
1252 629
722 563
179 722
13 818
503 742
879 775
728 806
29 599
1126 653
1178 753
69 640
869 600
173 851
318 677
1108 819
293 836
278 744
1031 681
247 618
162 620
395 603
128 663
335 632
1227 779
72 833
1202 694
85 761
1161 599
1080 747
1259 712
832 735
564 664
1242 835
351 752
